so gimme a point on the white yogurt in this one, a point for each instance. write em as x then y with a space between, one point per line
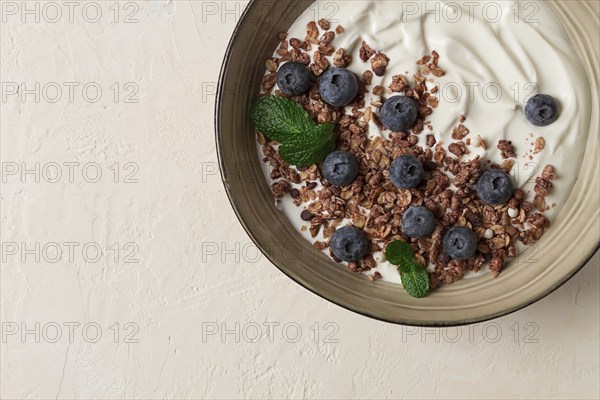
496 54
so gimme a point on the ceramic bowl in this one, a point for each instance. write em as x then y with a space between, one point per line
568 244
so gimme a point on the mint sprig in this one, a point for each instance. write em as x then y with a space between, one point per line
309 148
303 142
415 279
399 253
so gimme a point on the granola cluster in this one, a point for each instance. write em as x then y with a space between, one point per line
372 202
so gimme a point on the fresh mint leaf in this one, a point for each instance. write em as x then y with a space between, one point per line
309 148
302 142
415 278
399 252
280 119
416 281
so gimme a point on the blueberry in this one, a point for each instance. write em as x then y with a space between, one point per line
398 113
338 87
406 172
294 78
349 244
494 187
460 243
340 168
418 222
541 110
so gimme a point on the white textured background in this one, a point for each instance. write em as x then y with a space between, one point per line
188 312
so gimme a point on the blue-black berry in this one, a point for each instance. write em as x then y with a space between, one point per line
340 168
541 110
495 187
418 222
398 113
294 78
406 172
338 87
349 244
460 243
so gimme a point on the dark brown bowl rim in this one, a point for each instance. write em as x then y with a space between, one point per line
223 169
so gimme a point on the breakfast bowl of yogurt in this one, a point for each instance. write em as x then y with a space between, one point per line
426 163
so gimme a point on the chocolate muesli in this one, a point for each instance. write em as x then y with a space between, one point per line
392 174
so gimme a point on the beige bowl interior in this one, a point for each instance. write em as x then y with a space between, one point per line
570 242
